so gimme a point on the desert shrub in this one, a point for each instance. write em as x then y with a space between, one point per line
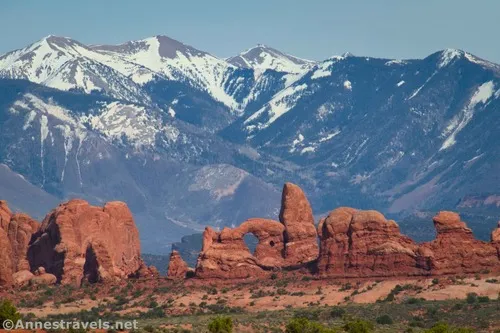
471 298
304 325
413 300
337 312
297 293
390 298
384 320
221 325
445 328
8 312
358 326
307 314
282 291
346 286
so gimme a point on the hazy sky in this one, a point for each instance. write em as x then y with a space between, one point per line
314 29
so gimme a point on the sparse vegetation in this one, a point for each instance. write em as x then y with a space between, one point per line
221 325
8 312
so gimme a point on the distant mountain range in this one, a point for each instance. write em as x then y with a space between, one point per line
188 139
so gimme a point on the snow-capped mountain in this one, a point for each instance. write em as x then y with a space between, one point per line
395 130
126 71
66 64
189 139
262 57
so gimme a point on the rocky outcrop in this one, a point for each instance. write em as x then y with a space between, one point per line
495 234
177 268
78 242
6 265
301 245
22 278
227 256
20 231
364 243
16 231
5 214
288 243
455 250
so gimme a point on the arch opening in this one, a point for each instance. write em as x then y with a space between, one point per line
251 242
91 266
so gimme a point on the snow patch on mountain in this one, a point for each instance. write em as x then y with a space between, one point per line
415 93
481 95
281 103
296 142
396 62
117 121
322 70
329 136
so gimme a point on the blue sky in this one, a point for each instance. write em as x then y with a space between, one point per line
314 29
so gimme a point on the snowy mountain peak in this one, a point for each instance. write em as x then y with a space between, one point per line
449 55
160 45
262 57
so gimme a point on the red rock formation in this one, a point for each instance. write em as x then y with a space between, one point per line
364 243
78 242
5 214
301 245
455 250
22 278
147 272
6 266
226 256
20 230
177 267
286 244
15 234
495 234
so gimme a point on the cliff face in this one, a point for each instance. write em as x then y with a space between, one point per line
76 242
353 243
16 231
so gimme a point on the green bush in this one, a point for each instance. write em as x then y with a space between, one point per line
221 325
337 312
304 325
358 326
8 312
384 320
445 328
471 298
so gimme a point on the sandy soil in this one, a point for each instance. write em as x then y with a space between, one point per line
271 295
